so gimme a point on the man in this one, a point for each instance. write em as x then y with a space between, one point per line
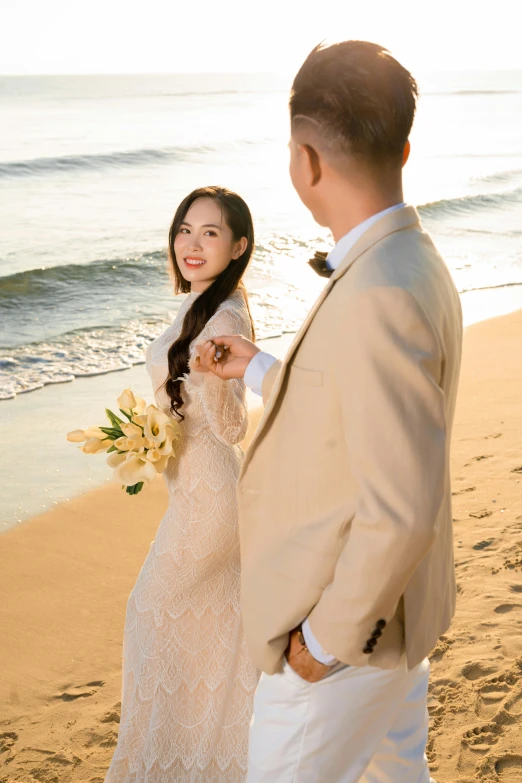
345 501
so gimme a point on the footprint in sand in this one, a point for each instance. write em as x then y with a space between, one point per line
80 691
441 648
509 768
484 544
46 766
475 671
517 470
489 697
514 559
90 738
113 715
515 588
498 699
7 740
513 705
482 514
481 738
506 769
505 608
462 491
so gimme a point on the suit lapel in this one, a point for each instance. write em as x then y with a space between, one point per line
389 224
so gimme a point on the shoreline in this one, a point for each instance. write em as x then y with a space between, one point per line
40 468
67 574
479 304
36 481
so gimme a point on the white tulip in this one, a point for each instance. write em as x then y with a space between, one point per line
127 400
94 445
76 436
94 432
131 430
140 405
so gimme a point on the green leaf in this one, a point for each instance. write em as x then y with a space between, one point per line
112 448
134 489
127 415
112 432
114 420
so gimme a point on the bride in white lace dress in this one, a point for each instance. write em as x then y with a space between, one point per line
188 683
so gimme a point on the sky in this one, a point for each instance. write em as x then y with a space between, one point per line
228 36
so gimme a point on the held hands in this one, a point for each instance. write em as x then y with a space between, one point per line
302 661
226 357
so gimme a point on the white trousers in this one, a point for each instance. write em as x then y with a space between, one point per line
358 725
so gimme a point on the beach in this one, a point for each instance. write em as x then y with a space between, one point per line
90 191
66 576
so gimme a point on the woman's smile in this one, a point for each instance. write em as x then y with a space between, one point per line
192 261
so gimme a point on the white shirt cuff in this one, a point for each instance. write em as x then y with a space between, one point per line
315 648
256 371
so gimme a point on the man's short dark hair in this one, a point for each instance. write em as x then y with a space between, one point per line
359 99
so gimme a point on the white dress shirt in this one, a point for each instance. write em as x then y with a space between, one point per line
261 363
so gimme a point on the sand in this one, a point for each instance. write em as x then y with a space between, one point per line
66 575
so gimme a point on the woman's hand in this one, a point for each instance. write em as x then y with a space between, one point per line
226 357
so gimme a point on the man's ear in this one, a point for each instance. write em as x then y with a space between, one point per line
312 164
406 153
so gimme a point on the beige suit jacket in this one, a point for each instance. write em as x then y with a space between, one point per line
344 494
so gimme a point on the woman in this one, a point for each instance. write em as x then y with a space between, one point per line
188 682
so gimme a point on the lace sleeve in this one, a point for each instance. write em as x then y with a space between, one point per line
224 402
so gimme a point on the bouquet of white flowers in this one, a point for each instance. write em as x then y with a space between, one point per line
138 448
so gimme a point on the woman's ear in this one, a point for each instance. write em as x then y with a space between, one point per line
240 248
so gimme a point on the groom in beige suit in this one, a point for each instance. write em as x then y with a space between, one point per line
344 496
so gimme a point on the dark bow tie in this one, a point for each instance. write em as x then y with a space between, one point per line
318 264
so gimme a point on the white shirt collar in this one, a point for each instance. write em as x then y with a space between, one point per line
345 244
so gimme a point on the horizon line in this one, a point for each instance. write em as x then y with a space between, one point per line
236 73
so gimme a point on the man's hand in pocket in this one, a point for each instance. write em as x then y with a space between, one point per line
302 661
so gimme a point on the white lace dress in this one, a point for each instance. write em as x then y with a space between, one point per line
188 683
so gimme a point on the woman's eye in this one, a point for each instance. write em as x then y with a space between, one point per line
212 233
184 231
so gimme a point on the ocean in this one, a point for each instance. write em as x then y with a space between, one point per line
92 169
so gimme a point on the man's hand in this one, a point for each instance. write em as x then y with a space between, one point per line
302 661
226 357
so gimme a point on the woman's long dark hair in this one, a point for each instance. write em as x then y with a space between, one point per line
238 218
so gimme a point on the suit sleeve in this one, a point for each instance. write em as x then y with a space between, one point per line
388 372
224 402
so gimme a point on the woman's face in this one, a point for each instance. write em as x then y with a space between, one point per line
205 245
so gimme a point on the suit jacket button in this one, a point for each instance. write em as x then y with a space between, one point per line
380 624
368 650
